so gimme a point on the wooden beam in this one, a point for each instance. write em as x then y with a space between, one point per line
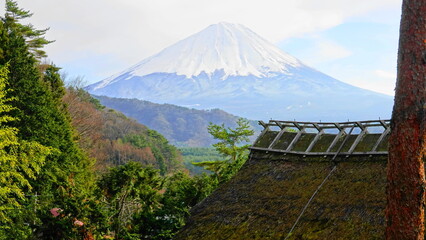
360 125
276 139
297 125
264 125
357 140
321 127
386 132
318 153
328 125
316 125
342 132
265 129
343 143
383 123
282 126
315 140
295 139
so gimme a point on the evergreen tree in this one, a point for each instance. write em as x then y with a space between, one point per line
66 180
34 38
20 161
231 146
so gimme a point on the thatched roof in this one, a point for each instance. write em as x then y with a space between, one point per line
265 198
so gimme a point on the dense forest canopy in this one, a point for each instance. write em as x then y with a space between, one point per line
73 169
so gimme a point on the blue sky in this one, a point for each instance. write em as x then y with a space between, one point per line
353 41
359 52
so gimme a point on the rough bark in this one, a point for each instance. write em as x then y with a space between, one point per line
406 176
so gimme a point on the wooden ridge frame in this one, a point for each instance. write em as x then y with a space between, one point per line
339 129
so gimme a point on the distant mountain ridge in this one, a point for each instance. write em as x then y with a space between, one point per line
230 67
180 125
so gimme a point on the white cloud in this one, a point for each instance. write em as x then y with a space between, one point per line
128 31
322 51
382 81
327 50
333 51
385 74
134 29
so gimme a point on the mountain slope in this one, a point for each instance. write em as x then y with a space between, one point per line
181 126
113 139
228 66
232 48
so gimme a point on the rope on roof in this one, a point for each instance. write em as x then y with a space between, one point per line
322 183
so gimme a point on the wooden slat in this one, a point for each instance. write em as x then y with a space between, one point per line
386 132
344 142
264 125
360 125
315 140
336 139
327 125
276 139
386 126
321 127
358 139
317 126
318 153
295 139
265 129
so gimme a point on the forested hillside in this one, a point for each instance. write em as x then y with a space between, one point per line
184 127
113 139
73 169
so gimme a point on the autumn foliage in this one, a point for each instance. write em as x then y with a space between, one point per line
113 139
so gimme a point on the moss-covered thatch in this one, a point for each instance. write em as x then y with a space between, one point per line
266 197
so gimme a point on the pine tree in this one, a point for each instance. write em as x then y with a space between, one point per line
66 180
20 161
407 145
41 115
231 147
34 37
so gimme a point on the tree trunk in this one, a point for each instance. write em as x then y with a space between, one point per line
405 173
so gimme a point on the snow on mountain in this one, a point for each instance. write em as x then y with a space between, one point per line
233 48
228 66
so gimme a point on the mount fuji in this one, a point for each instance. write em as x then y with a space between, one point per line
230 67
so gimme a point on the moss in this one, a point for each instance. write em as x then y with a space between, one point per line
383 146
351 203
323 143
350 140
266 139
367 143
265 198
285 140
304 141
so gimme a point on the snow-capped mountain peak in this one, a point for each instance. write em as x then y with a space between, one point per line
231 48
228 66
